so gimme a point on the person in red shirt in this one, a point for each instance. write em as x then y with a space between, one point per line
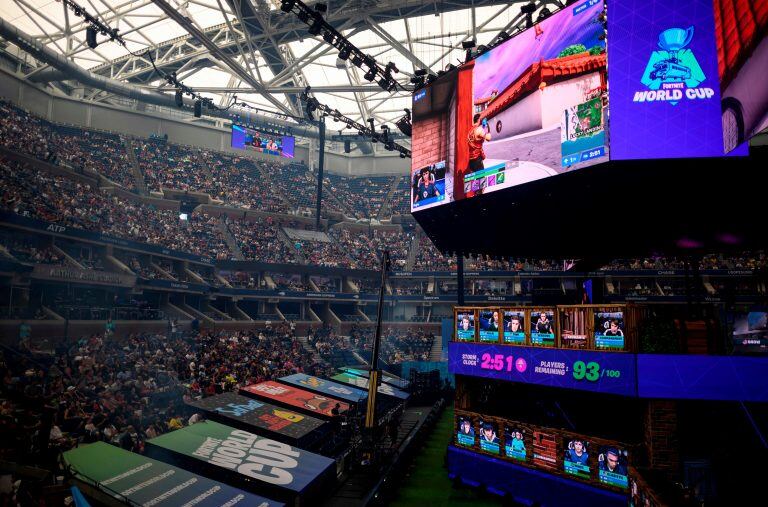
477 136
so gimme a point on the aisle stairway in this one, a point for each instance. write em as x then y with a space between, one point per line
412 252
386 208
436 354
230 240
138 177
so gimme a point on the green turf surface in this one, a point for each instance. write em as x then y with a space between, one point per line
427 484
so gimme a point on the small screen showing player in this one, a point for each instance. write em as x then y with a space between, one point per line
612 466
514 443
609 330
514 327
465 432
489 437
428 185
244 138
489 326
465 326
577 460
543 328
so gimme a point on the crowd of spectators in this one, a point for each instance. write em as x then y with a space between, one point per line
43 196
397 345
745 260
325 253
28 251
258 240
128 390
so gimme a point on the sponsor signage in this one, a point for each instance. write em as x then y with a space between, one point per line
363 383
303 401
126 476
280 423
329 387
605 372
269 463
71 274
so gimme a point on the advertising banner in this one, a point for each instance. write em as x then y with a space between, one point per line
303 401
361 382
389 379
605 372
139 480
245 411
329 387
267 462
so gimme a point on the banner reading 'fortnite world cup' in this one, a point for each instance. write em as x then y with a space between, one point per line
664 87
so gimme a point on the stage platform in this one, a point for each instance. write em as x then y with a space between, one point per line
361 485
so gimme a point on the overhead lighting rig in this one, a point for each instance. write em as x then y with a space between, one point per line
313 17
314 108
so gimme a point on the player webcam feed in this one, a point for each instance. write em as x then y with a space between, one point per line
543 328
428 185
576 460
433 149
489 439
613 466
514 327
514 443
244 138
465 326
465 434
538 103
489 326
750 333
609 330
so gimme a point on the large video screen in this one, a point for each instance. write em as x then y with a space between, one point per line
244 138
750 333
537 104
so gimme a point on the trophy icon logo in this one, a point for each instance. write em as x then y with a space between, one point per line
674 62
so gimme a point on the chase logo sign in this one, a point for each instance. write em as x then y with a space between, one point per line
673 73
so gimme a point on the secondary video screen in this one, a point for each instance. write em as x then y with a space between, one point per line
750 333
465 434
612 466
576 460
515 447
538 104
489 326
609 330
741 27
543 328
465 326
514 327
489 437
428 185
433 149
244 138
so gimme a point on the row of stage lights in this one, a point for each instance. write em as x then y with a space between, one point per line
313 17
313 108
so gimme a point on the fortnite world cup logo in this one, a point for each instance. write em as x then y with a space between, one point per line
673 72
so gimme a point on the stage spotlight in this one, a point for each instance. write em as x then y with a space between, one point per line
303 16
287 5
90 37
468 44
320 7
198 109
370 75
356 60
179 99
345 52
347 147
402 155
328 37
316 26
544 14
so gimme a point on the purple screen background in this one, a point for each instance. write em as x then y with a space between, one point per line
692 128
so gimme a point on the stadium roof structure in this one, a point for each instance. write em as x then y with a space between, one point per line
255 50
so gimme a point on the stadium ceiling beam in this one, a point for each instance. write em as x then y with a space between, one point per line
417 63
363 88
216 51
